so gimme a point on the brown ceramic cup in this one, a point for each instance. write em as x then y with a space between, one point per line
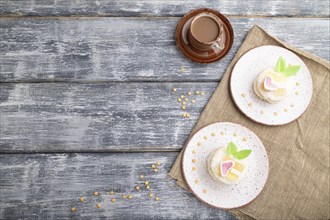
203 36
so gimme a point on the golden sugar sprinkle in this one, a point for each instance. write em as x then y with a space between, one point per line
153 166
199 144
158 163
141 177
222 133
262 112
113 200
73 209
98 205
112 193
194 160
244 139
275 113
182 96
292 105
151 195
189 93
174 89
183 107
82 199
157 198
243 95
138 188
193 101
235 134
179 99
156 170
202 93
130 197
182 69
124 196
196 181
146 182
297 93
194 168
204 191
147 187
205 137
95 193
250 104
213 134
197 92
193 152
286 110
297 83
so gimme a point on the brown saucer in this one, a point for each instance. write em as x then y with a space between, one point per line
202 56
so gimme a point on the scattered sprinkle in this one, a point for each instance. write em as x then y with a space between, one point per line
222 133
113 200
292 105
82 199
262 112
193 101
196 181
124 196
297 92
73 209
156 170
98 205
189 93
151 195
205 137
158 163
243 95
141 177
250 104
193 152
179 99
213 134
204 191
275 113
193 168
157 198
197 92
174 89
184 103
286 110
297 84
146 182
182 69
147 187
183 107
194 160
112 193
138 188
95 193
186 99
235 134
202 93
130 197
182 96
153 166
199 144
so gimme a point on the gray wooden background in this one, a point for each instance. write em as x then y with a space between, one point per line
86 102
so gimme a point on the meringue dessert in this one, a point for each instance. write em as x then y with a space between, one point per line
275 85
227 165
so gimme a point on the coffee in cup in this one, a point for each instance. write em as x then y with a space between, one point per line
205 32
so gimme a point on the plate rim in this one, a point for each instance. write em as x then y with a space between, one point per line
184 175
254 120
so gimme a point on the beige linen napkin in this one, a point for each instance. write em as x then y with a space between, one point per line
298 182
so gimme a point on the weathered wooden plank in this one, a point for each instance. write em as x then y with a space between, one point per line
128 49
71 117
47 186
162 8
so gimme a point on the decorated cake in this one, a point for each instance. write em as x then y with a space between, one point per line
273 85
227 165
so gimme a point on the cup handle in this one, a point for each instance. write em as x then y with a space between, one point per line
218 45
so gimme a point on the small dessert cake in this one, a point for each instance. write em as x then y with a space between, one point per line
227 165
274 85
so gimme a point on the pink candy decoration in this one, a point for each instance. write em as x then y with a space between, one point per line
269 84
225 167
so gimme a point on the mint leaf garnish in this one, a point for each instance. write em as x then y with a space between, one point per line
287 71
291 70
242 154
280 64
231 149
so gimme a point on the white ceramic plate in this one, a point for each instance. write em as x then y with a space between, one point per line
247 69
215 193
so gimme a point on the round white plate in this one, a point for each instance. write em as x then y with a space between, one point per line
248 68
217 194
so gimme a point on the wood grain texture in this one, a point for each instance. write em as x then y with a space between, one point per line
162 8
128 49
73 117
47 186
